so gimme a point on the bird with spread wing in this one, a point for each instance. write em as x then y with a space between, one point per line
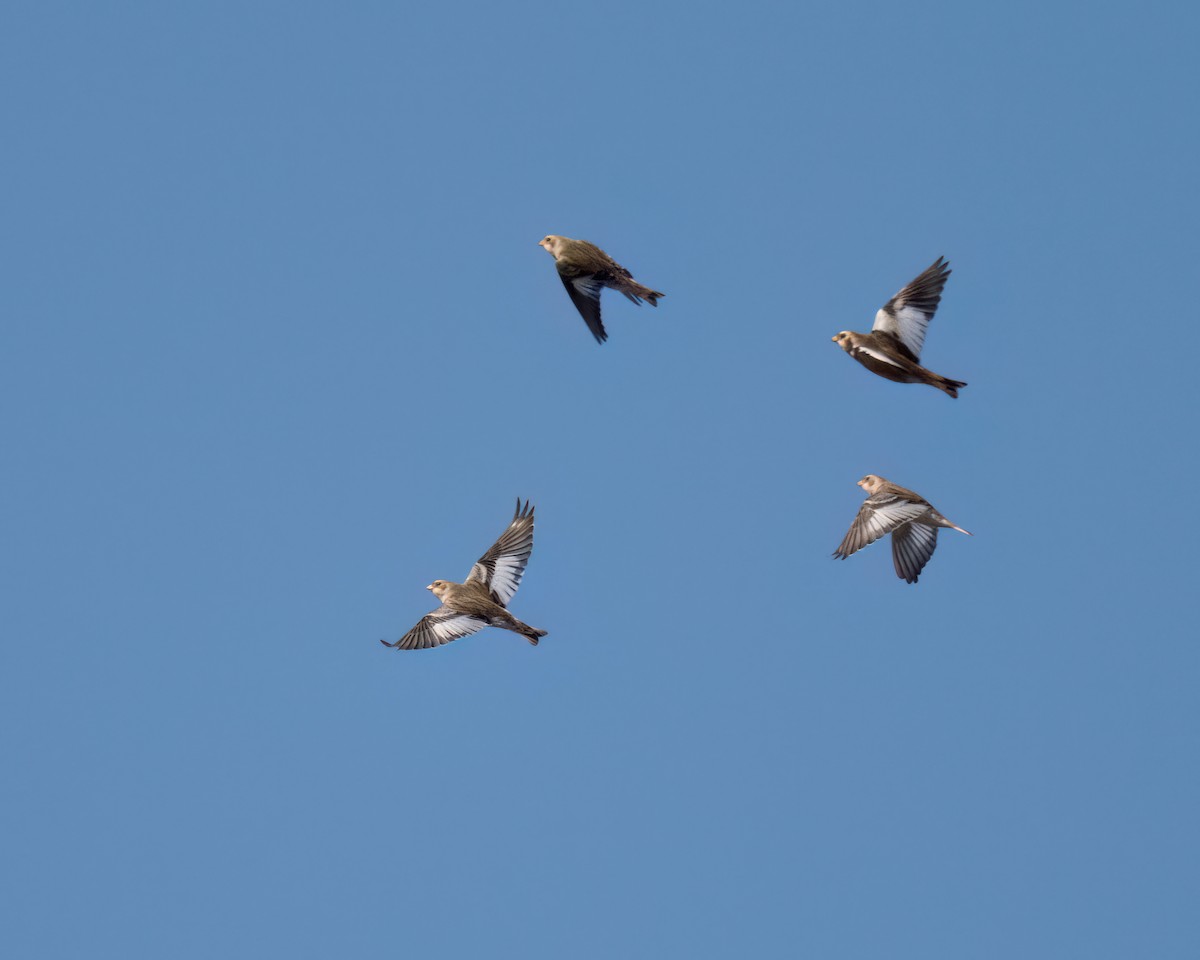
481 601
907 516
585 270
893 347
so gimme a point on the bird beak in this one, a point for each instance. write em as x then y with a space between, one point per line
834 339
430 587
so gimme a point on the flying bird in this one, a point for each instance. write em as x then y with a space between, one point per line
907 516
585 270
893 347
482 600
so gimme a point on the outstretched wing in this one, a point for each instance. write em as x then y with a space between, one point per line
906 316
501 568
434 629
877 517
912 546
584 290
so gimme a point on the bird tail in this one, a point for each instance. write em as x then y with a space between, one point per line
950 387
532 634
637 293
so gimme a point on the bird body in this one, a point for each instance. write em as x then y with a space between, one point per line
585 270
893 347
912 521
482 600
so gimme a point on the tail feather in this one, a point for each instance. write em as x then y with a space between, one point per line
637 293
949 386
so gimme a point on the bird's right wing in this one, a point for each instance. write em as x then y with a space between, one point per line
906 316
501 568
434 629
877 517
912 546
584 291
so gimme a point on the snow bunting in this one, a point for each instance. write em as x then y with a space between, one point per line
482 600
585 270
907 516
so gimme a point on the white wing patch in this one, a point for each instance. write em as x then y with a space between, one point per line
908 325
877 519
501 568
886 517
506 579
882 357
439 627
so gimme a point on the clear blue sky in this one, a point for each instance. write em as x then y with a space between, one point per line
279 348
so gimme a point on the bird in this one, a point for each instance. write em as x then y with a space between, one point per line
893 347
907 516
585 270
482 600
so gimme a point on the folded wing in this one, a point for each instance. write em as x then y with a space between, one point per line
501 568
906 316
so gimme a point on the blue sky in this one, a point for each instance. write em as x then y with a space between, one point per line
280 348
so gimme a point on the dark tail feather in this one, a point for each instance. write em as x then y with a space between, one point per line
637 293
650 296
534 635
951 386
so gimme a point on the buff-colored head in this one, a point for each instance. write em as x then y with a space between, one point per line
843 340
871 483
438 587
553 244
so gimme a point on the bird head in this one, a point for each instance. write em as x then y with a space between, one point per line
553 244
871 483
438 587
843 340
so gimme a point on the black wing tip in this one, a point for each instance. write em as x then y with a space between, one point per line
394 646
523 512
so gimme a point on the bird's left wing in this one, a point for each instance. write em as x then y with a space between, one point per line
906 316
912 546
877 517
440 626
501 568
584 291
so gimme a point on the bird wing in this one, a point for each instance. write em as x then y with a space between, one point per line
906 316
440 626
584 291
877 517
912 546
501 568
